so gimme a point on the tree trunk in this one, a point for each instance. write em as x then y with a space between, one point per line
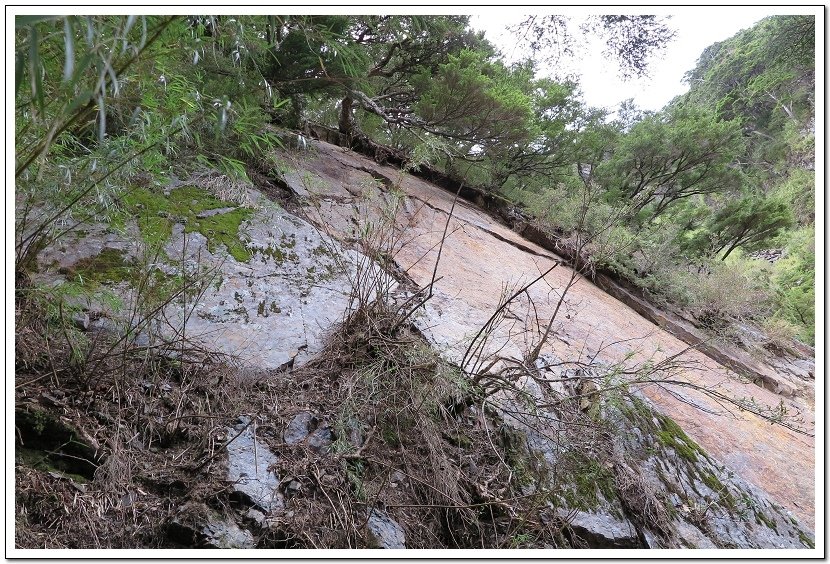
346 123
730 249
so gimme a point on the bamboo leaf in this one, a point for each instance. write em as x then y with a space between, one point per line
25 21
69 45
35 67
18 73
82 66
114 80
143 31
102 119
79 101
90 32
127 27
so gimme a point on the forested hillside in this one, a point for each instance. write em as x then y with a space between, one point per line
288 281
677 200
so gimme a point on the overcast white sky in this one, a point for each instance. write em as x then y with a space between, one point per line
697 28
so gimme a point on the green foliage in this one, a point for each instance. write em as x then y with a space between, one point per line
798 190
750 74
475 100
747 223
108 102
793 281
670 156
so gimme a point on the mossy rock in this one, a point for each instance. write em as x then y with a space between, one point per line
671 435
107 267
156 214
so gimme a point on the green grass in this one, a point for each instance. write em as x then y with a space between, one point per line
156 214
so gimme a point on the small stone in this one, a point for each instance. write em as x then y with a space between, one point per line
257 517
298 428
250 466
81 321
208 213
321 439
384 532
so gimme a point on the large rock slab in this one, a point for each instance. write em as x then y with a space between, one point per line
275 310
482 260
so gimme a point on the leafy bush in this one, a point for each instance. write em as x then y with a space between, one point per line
793 282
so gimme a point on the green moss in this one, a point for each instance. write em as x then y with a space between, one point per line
40 460
107 267
725 497
223 229
673 436
276 254
46 443
156 214
589 481
761 517
805 540
288 241
458 440
322 250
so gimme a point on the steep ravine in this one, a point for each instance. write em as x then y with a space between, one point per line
481 256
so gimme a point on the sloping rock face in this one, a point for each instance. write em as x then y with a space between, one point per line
267 311
482 260
273 312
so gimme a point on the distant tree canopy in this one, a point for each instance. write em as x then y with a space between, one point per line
761 74
631 40
670 156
